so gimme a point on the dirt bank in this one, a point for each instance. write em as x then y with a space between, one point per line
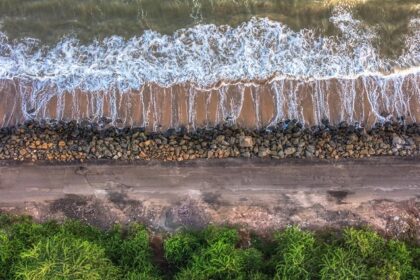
257 194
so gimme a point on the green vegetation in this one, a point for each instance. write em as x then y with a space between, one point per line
73 250
64 257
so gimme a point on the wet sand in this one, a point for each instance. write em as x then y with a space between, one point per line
365 100
259 194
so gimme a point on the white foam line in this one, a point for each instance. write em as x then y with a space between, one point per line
374 75
209 57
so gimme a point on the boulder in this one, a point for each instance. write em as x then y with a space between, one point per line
290 151
246 141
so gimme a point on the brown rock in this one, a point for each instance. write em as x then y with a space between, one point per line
263 153
290 151
148 142
220 138
364 152
246 141
22 152
246 154
43 146
349 147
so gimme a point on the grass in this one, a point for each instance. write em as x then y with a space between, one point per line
73 250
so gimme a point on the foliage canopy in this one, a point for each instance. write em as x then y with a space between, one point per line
73 250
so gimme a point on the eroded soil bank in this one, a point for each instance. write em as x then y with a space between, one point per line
261 195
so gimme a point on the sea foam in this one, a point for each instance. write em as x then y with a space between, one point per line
205 55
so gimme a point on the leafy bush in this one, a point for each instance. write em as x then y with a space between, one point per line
112 242
251 260
397 261
82 230
180 247
220 259
415 252
214 234
19 234
388 270
341 264
295 254
132 253
366 244
25 233
64 257
5 254
73 250
386 259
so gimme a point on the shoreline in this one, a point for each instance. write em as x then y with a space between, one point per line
80 142
363 100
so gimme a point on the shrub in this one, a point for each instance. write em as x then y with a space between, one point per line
268 248
341 264
5 254
251 260
295 254
82 230
221 234
398 252
415 252
258 276
366 244
25 233
386 259
19 234
74 250
388 270
64 257
112 241
180 247
220 259
132 253
398 262
136 275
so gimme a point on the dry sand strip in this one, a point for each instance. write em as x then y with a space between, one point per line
258 194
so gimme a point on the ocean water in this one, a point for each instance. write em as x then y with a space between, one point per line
162 64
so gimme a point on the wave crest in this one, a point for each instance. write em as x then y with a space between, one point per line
205 55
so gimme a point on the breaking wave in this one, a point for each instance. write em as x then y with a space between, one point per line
204 55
